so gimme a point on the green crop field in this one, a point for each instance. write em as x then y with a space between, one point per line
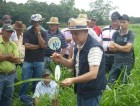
120 95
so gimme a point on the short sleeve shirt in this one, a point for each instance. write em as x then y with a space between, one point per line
6 48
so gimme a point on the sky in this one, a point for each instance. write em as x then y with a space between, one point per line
129 7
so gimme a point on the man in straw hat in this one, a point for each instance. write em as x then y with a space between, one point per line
6 19
55 32
8 57
34 41
90 30
19 28
88 63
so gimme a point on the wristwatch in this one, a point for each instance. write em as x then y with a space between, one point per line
38 33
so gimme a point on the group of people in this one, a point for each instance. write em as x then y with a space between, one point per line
86 48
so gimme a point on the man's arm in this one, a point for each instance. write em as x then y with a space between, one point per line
31 46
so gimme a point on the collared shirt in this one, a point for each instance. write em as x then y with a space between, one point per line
94 57
106 36
48 52
21 48
6 48
67 34
42 88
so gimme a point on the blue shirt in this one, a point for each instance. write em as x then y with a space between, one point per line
48 51
42 88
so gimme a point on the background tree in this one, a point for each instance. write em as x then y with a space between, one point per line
101 10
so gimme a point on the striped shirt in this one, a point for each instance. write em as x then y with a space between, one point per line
94 57
106 36
48 51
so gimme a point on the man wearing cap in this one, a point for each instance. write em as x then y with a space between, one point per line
8 57
34 41
122 44
106 37
47 86
88 63
6 19
54 32
92 24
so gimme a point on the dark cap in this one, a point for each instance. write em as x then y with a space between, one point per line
124 17
6 18
47 71
115 15
8 27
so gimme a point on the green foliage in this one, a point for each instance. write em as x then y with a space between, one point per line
101 10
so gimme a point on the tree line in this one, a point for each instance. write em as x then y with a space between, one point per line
63 11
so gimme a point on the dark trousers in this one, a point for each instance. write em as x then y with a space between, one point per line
109 60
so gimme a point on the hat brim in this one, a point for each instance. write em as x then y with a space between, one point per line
23 27
77 29
52 23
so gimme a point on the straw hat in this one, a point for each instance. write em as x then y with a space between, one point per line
53 20
83 16
78 24
19 25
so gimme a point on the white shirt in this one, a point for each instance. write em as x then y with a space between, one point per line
42 89
93 34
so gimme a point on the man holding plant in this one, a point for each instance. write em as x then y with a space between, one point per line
88 63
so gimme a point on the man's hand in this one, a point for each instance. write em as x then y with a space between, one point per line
67 82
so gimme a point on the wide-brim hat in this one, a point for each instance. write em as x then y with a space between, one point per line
78 24
53 20
83 16
19 25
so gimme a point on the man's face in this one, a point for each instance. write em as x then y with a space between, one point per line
79 36
36 23
53 27
6 34
115 23
124 24
47 77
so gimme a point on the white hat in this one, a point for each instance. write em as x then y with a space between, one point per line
36 17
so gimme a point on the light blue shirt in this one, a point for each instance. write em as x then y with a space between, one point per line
42 88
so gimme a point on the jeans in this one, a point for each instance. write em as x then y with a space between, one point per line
6 89
30 70
94 101
120 69
109 60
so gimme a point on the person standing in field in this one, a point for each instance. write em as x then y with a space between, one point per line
122 45
8 57
106 37
88 64
34 41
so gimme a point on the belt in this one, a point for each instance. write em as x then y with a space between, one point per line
7 73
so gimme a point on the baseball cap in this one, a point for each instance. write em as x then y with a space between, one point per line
36 17
8 27
47 71
115 15
124 17
6 18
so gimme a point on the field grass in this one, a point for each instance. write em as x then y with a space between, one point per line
121 95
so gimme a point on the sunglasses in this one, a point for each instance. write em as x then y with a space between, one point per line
9 31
